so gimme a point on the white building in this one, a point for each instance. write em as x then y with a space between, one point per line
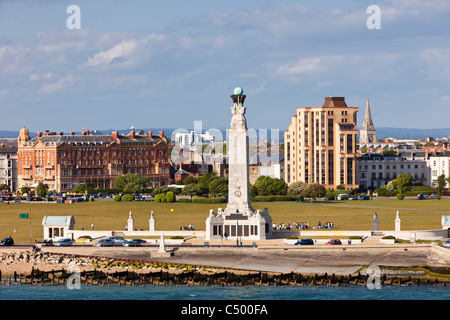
266 165
8 167
375 170
192 137
439 164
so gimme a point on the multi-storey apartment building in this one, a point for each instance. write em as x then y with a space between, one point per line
376 170
439 164
320 145
8 166
65 161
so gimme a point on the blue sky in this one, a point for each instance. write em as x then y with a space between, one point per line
169 63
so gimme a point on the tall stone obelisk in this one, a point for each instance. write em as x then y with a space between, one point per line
238 160
239 220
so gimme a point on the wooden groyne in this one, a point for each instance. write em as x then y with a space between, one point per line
217 278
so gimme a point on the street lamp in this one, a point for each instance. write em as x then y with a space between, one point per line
237 227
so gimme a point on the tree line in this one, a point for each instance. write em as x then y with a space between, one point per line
404 182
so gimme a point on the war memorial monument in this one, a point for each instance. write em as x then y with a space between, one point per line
239 220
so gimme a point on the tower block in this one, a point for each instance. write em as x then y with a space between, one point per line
239 220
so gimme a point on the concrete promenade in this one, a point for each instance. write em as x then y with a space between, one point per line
277 257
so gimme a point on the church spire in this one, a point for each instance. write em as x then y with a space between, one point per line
367 133
368 124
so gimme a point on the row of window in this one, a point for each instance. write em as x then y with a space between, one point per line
388 167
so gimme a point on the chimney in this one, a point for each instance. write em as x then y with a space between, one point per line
84 132
39 134
132 133
61 133
161 134
150 134
46 132
72 133
115 135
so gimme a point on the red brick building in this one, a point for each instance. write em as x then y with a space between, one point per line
65 161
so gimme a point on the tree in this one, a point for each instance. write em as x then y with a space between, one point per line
295 189
4 188
390 186
402 183
267 186
82 188
440 185
218 187
25 190
190 180
131 183
160 197
207 178
195 190
170 196
314 190
41 189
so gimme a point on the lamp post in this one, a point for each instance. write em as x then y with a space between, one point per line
237 227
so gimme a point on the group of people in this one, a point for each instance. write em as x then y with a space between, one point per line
190 227
282 226
326 225
302 226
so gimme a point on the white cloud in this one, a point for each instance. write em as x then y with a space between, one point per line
302 66
64 82
46 76
122 50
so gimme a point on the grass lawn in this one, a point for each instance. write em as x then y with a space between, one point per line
110 215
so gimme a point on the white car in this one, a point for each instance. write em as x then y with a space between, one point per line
447 243
64 242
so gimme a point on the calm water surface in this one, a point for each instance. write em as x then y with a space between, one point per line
91 292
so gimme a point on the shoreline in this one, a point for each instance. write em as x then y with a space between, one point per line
395 262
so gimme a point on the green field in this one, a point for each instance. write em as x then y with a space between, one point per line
110 215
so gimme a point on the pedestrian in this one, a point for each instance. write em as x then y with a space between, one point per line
226 236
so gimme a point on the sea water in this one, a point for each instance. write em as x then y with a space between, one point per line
183 292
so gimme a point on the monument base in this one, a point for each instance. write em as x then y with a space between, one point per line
247 226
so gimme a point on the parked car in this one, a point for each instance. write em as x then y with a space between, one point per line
422 196
7 242
104 243
353 198
364 198
64 242
342 196
447 243
118 241
333 242
329 198
134 243
303 242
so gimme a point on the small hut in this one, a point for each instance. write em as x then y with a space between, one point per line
56 227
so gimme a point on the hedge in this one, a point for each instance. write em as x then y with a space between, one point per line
117 197
128 197
160 197
273 198
209 200
170 196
